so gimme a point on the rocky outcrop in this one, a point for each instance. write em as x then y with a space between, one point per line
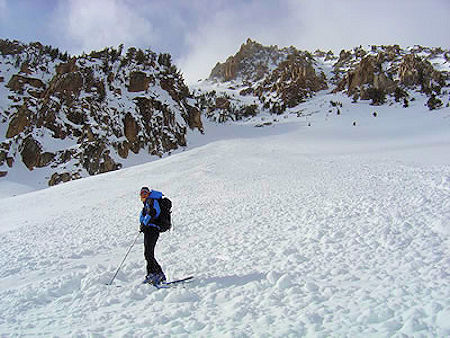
293 81
287 76
19 122
388 71
17 83
414 71
277 80
61 178
250 63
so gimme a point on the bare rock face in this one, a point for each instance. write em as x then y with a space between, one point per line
19 122
138 82
363 74
9 161
169 86
67 67
96 159
18 82
276 80
67 84
130 128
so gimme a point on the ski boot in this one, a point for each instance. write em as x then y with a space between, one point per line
155 278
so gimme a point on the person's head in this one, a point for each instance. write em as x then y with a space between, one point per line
145 192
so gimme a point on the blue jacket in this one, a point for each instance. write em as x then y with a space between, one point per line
151 211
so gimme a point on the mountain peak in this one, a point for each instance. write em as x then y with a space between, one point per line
251 62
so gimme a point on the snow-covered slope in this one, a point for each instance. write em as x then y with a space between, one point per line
312 226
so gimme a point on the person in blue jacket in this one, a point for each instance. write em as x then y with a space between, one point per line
148 215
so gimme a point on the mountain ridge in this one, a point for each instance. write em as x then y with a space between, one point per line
68 117
374 75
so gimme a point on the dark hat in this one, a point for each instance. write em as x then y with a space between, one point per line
145 192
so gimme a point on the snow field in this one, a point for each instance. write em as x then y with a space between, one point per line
293 234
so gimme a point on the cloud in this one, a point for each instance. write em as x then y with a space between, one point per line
342 24
85 25
199 33
3 9
308 25
222 29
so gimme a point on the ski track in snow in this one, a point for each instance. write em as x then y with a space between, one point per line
282 242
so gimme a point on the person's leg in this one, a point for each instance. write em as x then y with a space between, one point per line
151 236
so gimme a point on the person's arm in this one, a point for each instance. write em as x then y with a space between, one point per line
156 208
146 214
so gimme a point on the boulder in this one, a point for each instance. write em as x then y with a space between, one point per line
194 118
31 151
59 178
222 103
122 149
108 163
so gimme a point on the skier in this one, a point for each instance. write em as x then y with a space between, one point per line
148 215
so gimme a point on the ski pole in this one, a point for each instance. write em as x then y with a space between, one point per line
134 242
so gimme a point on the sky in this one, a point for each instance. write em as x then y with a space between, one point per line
200 33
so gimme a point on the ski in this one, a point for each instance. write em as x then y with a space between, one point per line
170 284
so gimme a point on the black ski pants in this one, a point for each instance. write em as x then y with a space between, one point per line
151 236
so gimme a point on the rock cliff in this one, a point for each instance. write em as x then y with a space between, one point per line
84 115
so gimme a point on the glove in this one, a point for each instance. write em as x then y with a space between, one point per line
142 227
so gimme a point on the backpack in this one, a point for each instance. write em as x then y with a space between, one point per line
164 220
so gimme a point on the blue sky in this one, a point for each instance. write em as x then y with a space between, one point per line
199 33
